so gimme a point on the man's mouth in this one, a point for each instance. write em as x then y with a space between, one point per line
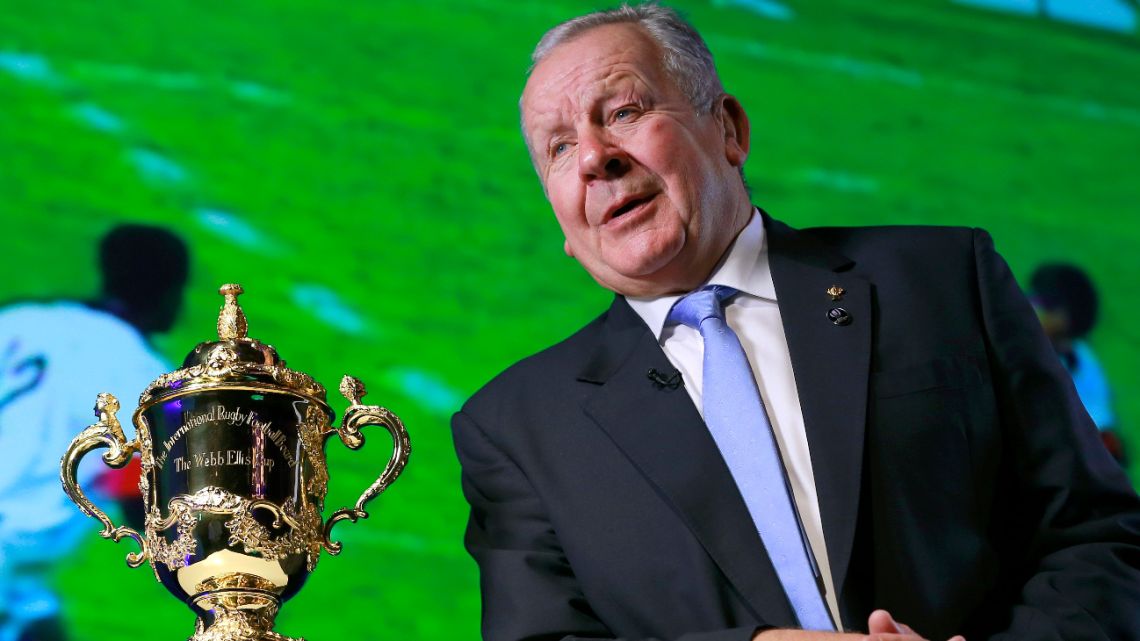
630 205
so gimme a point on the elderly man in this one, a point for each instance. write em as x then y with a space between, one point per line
772 433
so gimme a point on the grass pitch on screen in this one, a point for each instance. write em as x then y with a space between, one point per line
357 166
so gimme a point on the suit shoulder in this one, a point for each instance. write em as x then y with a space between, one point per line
542 376
894 235
902 245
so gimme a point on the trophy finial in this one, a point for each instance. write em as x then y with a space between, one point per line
352 389
231 320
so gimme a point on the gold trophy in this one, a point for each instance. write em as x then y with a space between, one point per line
233 477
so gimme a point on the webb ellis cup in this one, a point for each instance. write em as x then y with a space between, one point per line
233 477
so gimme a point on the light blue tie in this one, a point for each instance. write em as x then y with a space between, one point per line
735 415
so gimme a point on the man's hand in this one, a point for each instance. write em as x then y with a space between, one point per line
881 626
808 635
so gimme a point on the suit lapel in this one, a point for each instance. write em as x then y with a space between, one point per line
662 434
831 364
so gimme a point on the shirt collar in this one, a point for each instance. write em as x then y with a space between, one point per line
744 268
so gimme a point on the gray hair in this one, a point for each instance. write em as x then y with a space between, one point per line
687 59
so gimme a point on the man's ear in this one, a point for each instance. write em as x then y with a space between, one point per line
566 248
736 131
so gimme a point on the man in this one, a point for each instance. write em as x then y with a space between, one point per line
932 461
1067 306
55 357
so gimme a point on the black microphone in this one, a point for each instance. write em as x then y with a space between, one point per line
661 381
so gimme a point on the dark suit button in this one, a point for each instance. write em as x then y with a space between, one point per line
839 316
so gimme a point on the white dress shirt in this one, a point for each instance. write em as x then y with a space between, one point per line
755 317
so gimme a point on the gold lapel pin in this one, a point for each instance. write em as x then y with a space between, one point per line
836 292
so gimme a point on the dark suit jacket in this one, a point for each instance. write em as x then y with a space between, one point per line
962 486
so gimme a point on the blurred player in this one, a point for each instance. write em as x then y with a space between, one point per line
1067 304
55 357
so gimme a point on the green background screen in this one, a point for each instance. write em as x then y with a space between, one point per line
357 167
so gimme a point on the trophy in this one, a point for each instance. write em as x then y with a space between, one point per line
234 477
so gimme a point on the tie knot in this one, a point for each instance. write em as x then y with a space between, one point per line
707 302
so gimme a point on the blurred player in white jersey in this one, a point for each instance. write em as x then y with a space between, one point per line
55 357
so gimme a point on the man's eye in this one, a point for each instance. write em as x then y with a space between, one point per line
623 113
558 149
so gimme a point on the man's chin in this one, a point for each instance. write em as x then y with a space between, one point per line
660 282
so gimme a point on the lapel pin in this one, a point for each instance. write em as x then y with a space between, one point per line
836 292
839 316
661 381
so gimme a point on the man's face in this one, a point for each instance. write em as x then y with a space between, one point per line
646 190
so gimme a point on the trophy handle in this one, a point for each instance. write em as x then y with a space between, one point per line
355 417
108 432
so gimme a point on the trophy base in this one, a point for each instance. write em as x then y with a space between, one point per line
237 607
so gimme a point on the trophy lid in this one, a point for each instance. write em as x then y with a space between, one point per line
234 361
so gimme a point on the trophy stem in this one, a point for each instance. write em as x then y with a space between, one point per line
237 607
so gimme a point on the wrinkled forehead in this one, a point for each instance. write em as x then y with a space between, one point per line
593 65
578 90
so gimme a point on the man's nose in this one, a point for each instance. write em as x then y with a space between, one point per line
600 157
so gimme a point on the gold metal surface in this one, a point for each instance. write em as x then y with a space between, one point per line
234 581
108 432
231 321
209 376
355 417
836 292
235 361
232 553
243 608
303 536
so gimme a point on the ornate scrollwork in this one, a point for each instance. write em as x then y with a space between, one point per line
219 368
221 360
302 537
355 417
312 429
243 611
304 524
239 625
107 432
146 454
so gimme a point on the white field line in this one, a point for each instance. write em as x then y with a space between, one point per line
177 81
839 180
37 68
157 168
428 389
883 72
1112 15
328 307
236 230
98 118
764 8
30 67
